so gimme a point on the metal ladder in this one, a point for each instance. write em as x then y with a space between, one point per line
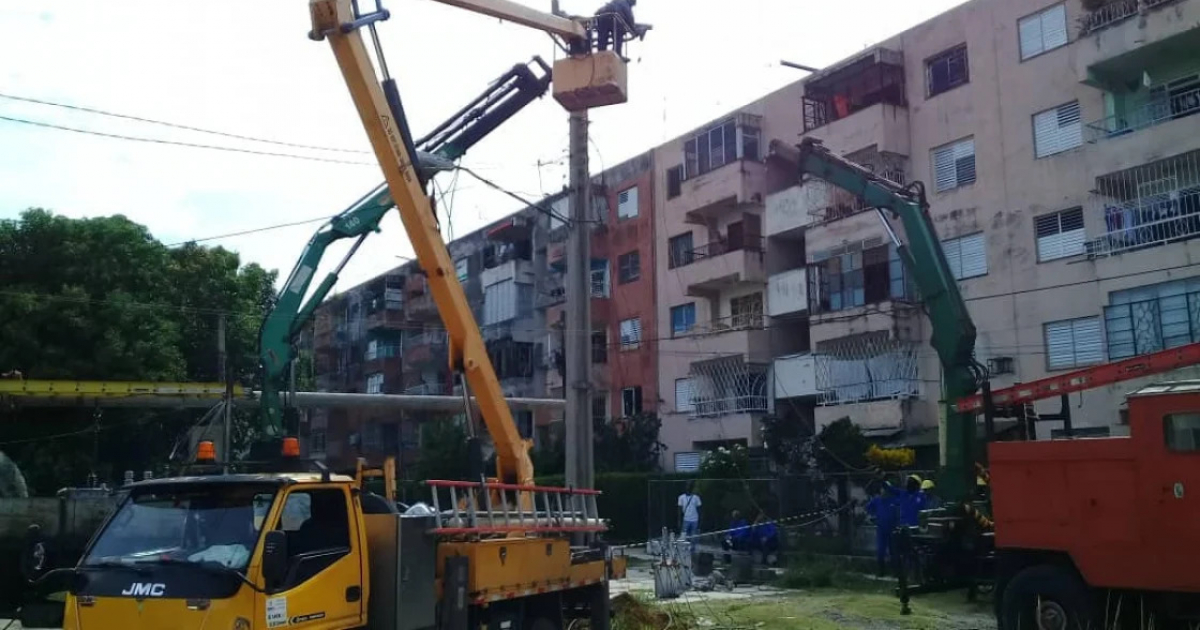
487 509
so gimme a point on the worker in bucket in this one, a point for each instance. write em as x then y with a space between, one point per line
612 20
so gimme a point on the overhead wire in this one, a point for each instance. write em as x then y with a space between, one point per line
101 112
180 143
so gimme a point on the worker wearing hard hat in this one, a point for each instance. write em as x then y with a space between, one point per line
911 500
932 500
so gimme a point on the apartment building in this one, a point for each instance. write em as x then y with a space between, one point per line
623 289
1061 161
714 345
386 336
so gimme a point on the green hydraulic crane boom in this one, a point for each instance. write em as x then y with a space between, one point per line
437 151
953 332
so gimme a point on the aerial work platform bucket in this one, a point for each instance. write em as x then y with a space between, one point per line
586 81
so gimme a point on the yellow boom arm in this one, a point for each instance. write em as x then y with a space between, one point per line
468 354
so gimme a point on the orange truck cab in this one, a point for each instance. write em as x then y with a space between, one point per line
1079 520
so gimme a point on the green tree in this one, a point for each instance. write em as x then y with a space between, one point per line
627 444
101 299
443 451
841 447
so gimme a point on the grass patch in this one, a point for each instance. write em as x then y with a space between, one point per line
808 571
833 609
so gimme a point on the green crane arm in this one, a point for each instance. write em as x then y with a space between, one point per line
504 97
953 332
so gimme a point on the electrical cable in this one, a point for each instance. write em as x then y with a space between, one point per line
487 182
101 112
193 145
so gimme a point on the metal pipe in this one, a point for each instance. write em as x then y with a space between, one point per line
302 399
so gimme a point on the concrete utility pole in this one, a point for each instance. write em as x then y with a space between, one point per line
223 376
578 417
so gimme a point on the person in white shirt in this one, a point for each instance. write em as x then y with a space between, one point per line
689 507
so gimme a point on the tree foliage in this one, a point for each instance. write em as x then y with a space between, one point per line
841 447
627 444
444 451
102 299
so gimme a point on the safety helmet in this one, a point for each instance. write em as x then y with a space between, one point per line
916 478
980 481
927 484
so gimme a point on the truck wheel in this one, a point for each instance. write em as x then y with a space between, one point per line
1045 598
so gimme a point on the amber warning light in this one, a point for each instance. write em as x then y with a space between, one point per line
291 447
205 452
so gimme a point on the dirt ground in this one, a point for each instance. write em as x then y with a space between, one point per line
869 604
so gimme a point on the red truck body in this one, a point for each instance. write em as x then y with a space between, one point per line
1126 510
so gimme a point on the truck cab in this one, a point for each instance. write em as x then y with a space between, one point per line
1107 514
234 551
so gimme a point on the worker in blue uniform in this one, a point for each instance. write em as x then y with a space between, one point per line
910 500
882 509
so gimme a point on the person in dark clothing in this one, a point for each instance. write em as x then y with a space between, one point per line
612 22
765 538
738 538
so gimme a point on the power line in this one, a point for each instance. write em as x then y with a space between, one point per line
226 134
257 230
547 211
178 143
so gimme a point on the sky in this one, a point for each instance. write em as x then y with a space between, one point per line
247 68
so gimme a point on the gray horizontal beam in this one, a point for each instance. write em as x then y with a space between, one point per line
302 400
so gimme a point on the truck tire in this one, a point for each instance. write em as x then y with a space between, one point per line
1045 597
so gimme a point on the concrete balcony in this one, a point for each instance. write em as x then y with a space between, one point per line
726 189
421 308
787 292
795 377
881 418
1134 33
1157 112
517 270
743 335
882 125
715 268
386 318
790 210
734 426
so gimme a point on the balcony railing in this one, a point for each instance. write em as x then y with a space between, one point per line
865 368
1152 222
741 321
716 248
1147 206
1158 111
424 389
1114 12
728 385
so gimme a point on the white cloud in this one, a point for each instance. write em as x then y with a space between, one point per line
248 68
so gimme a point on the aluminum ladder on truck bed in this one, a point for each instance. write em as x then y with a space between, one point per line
488 509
